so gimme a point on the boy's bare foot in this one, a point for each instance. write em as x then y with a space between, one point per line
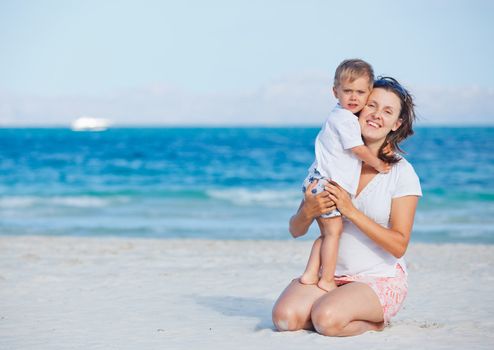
326 285
308 278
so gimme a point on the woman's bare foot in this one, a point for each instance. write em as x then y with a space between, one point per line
327 285
309 278
379 327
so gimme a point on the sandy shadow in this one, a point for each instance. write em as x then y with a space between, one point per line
238 306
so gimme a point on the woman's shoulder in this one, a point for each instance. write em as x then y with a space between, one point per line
403 166
405 178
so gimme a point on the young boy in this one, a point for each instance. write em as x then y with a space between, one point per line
339 151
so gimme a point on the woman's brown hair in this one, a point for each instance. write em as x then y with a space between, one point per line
407 117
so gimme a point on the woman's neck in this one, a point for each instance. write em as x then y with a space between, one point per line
374 146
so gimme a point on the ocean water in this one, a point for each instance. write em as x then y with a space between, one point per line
218 183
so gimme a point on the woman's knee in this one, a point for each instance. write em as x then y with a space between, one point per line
286 318
327 321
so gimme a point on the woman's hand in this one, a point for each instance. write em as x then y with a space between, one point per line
310 208
315 206
341 198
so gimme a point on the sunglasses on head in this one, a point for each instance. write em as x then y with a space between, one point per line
388 82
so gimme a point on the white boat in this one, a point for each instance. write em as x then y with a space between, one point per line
90 124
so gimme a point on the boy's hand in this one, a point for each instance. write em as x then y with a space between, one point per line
388 150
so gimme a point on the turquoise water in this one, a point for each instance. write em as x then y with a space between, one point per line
218 183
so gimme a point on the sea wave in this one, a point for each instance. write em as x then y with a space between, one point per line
17 202
266 198
443 195
237 196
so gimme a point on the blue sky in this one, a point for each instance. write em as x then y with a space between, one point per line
237 62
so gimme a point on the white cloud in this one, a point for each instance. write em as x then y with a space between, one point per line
455 105
291 100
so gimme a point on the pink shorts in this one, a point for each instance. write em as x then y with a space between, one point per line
391 291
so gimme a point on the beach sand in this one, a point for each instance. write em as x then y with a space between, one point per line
111 293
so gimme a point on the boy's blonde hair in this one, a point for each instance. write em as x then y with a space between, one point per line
353 69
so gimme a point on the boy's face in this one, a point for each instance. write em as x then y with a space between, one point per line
353 95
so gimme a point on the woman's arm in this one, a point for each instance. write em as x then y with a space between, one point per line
310 208
394 239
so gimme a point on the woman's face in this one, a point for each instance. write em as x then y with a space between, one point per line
380 115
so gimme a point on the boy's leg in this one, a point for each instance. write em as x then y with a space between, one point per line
311 273
331 231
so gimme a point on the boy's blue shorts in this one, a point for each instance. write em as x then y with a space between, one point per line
314 175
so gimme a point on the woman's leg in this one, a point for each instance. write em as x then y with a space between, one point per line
292 310
311 273
351 309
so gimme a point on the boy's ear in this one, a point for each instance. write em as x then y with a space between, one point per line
334 92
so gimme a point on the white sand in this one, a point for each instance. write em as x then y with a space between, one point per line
108 293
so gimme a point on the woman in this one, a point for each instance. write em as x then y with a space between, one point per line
371 272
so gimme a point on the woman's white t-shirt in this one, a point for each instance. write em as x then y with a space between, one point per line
357 253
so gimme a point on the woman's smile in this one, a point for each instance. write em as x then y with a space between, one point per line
373 124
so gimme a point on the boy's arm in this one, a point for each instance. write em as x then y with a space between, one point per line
365 155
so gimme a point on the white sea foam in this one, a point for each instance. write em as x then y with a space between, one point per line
13 202
17 202
266 198
80 202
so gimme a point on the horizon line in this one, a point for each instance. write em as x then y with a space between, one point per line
228 126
